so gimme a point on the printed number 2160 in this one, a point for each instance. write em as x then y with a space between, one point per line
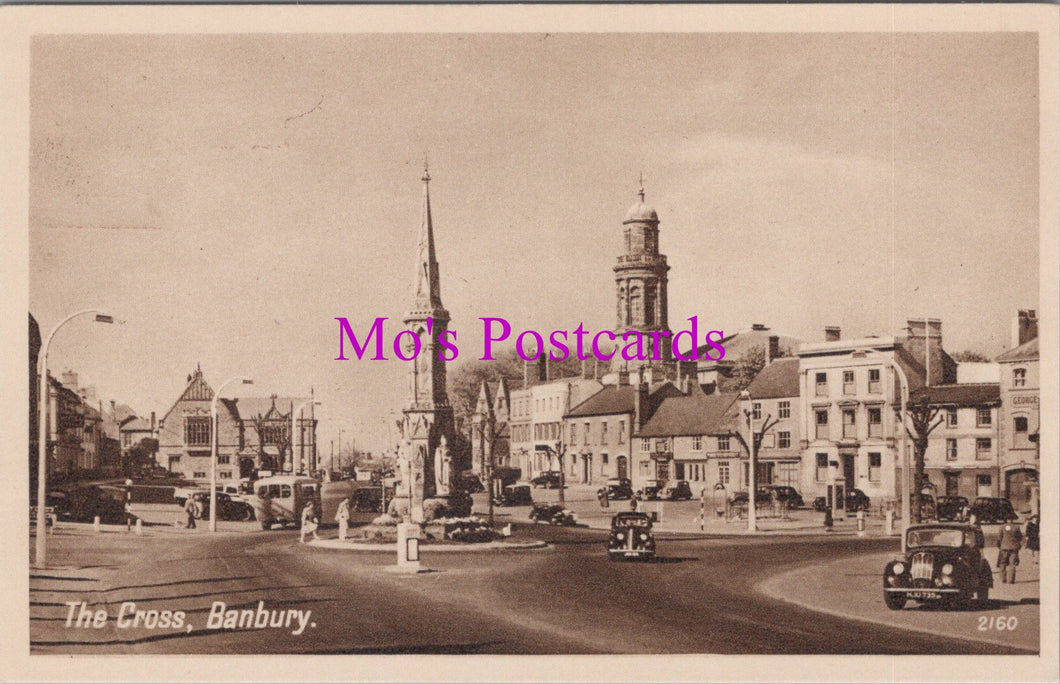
1001 624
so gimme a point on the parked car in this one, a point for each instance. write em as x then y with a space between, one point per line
678 490
514 495
553 514
951 508
619 488
83 504
631 537
549 479
943 562
651 490
227 507
928 508
787 495
989 510
470 482
856 500
762 497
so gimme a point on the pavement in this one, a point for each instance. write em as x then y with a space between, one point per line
852 587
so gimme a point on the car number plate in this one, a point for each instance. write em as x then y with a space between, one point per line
924 595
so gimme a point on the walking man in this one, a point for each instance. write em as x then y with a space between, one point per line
191 508
1008 556
309 521
342 517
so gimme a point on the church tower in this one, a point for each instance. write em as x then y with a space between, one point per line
640 278
428 415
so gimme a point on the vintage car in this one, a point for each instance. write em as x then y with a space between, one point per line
988 510
514 495
618 488
651 490
549 479
553 514
787 495
950 508
943 562
631 537
228 508
856 500
677 490
84 504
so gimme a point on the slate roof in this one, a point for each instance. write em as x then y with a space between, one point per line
970 394
614 399
136 425
696 414
1028 351
779 379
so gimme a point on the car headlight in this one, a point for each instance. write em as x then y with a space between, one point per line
644 537
898 568
947 569
620 536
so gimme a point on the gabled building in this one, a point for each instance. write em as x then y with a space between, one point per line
185 434
775 397
490 427
1019 419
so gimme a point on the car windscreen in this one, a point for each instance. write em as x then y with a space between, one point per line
935 537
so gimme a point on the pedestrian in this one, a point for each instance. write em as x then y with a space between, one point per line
342 517
828 522
633 502
601 494
190 507
1009 540
309 521
1033 543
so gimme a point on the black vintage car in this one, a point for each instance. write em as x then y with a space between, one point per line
83 504
553 514
950 508
856 500
943 562
227 507
549 479
514 495
651 490
677 490
988 510
631 537
619 488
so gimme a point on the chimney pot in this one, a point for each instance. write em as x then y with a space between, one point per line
832 333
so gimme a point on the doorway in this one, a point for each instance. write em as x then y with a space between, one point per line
952 482
849 470
622 467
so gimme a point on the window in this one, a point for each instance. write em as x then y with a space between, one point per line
679 471
784 440
224 475
621 431
197 431
661 445
784 409
849 424
697 442
199 475
875 465
874 380
756 410
982 417
724 473
982 448
848 382
1019 377
951 417
604 458
821 418
822 384
984 480
822 467
723 443
1019 424
645 446
223 459
573 433
875 422
603 432
585 435
951 449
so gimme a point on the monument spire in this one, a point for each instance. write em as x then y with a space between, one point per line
428 291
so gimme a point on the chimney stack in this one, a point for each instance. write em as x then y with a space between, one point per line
831 333
773 350
640 402
1024 327
759 327
542 367
70 380
924 341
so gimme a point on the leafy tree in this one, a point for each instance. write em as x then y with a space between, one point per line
747 367
141 457
968 356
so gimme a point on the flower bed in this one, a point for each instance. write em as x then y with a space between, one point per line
470 530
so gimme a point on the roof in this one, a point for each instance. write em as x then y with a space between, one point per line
641 212
136 425
970 394
696 414
251 407
739 343
779 379
1028 351
613 399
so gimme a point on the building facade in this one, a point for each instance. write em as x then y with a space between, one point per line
537 422
775 398
1019 419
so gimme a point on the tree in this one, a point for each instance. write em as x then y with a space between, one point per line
752 454
747 367
141 457
920 423
967 356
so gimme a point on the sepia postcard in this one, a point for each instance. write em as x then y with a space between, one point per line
530 343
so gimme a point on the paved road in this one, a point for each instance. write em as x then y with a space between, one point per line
698 598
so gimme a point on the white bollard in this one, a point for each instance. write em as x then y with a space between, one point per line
55 522
95 523
889 524
139 526
861 523
408 549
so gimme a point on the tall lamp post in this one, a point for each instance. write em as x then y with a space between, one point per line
42 435
752 453
293 428
903 401
213 446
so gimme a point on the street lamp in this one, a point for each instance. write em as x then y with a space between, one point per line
213 446
904 400
293 414
752 452
42 435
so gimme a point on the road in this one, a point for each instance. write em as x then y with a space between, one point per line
698 597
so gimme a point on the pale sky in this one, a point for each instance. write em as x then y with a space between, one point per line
228 196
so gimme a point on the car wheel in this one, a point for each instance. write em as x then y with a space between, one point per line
266 525
894 601
982 596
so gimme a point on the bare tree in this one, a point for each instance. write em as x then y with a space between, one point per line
919 426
